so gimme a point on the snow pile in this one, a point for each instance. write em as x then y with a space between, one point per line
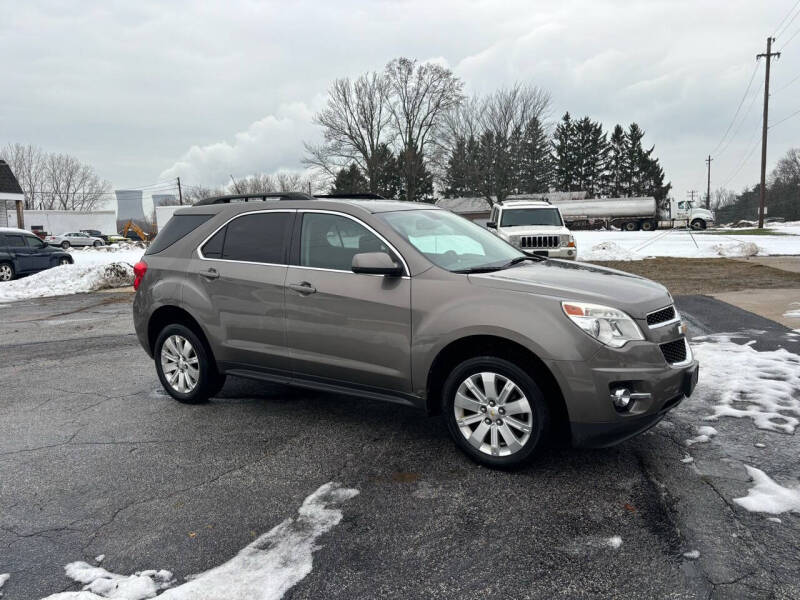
767 496
704 435
3 578
68 279
692 554
264 570
107 254
737 249
608 251
614 541
740 381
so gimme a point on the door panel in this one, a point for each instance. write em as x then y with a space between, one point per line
343 326
39 251
24 259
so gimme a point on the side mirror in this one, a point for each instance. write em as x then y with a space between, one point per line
491 225
375 263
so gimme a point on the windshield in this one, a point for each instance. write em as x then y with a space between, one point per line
530 216
450 241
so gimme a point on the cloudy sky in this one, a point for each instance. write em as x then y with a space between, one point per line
146 91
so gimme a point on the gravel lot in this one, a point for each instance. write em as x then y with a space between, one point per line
95 459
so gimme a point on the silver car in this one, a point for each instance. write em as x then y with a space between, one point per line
412 304
77 238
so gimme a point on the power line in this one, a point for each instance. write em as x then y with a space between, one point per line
745 114
747 156
791 10
738 108
791 37
787 85
797 112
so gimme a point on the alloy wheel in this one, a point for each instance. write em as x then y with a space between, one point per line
179 363
493 414
6 273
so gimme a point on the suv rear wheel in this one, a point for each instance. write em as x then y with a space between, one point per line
495 411
185 368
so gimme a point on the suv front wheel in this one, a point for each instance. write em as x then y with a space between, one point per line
185 368
495 411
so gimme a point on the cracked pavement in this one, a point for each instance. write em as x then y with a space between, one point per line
96 459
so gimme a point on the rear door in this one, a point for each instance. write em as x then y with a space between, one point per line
345 327
241 270
23 256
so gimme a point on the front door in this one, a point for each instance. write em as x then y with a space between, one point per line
241 272
40 254
343 326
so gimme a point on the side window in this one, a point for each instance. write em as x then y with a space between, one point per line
34 242
213 247
259 237
330 241
15 241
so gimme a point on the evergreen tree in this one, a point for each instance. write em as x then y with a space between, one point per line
535 162
618 164
350 180
414 174
645 175
457 173
590 157
386 175
564 154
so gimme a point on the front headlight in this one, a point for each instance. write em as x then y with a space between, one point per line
568 241
607 325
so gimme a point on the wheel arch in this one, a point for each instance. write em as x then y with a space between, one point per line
167 315
491 345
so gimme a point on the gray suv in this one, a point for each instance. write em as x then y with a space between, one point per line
409 303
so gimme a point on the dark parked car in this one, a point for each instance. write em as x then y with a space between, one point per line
406 302
95 233
22 253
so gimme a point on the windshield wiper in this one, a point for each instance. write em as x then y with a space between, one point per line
479 270
519 259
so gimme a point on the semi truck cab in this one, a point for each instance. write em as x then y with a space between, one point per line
686 210
534 226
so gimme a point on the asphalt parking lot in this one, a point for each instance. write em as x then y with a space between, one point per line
96 459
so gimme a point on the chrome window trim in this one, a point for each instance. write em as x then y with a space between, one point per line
672 321
225 224
406 270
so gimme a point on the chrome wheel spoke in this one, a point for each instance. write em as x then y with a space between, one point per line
470 385
477 437
512 443
517 407
180 364
469 420
466 403
517 424
508 389
489 385
495 442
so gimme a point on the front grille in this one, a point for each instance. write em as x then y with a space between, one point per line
674 352
661 316
538 241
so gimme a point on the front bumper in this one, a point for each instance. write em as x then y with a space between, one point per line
595 423
561 252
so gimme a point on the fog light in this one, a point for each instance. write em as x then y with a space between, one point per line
621 397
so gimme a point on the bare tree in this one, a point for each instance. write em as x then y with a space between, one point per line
420 94
27 164
510 109
787 170
355 125
722 197
72 185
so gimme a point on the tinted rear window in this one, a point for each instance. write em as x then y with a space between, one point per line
15 241
176 228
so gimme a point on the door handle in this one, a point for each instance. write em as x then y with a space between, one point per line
303 288
210 274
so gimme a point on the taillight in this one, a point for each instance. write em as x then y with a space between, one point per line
139 269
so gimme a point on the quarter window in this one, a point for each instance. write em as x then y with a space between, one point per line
330 241
34 242
259 237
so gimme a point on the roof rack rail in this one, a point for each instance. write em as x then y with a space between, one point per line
257 197
352 196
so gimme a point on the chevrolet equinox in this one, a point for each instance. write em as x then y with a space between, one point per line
409 303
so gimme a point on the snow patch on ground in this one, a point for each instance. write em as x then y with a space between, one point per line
68 279
609 251
692 554
739 381
737 249
793 313
262 570
767 496
687 459
3 578
704 434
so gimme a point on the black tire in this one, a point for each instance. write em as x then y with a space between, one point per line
631 226
209 381
64 261
7 272
698 224
648 225
65 244
539 417
97 243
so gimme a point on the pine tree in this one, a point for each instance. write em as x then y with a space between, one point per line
535 161
350 180
457 173
617 184
415 175
564 154
645 175
386 172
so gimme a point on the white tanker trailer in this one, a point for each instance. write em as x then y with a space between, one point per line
632 214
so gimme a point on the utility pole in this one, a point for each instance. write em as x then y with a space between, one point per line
763 196
708 184
180 193
691 194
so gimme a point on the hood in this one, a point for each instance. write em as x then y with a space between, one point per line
526 229
568 280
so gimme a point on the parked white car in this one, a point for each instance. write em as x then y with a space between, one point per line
77 238
533 226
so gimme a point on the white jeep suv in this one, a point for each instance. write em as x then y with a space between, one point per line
533 226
